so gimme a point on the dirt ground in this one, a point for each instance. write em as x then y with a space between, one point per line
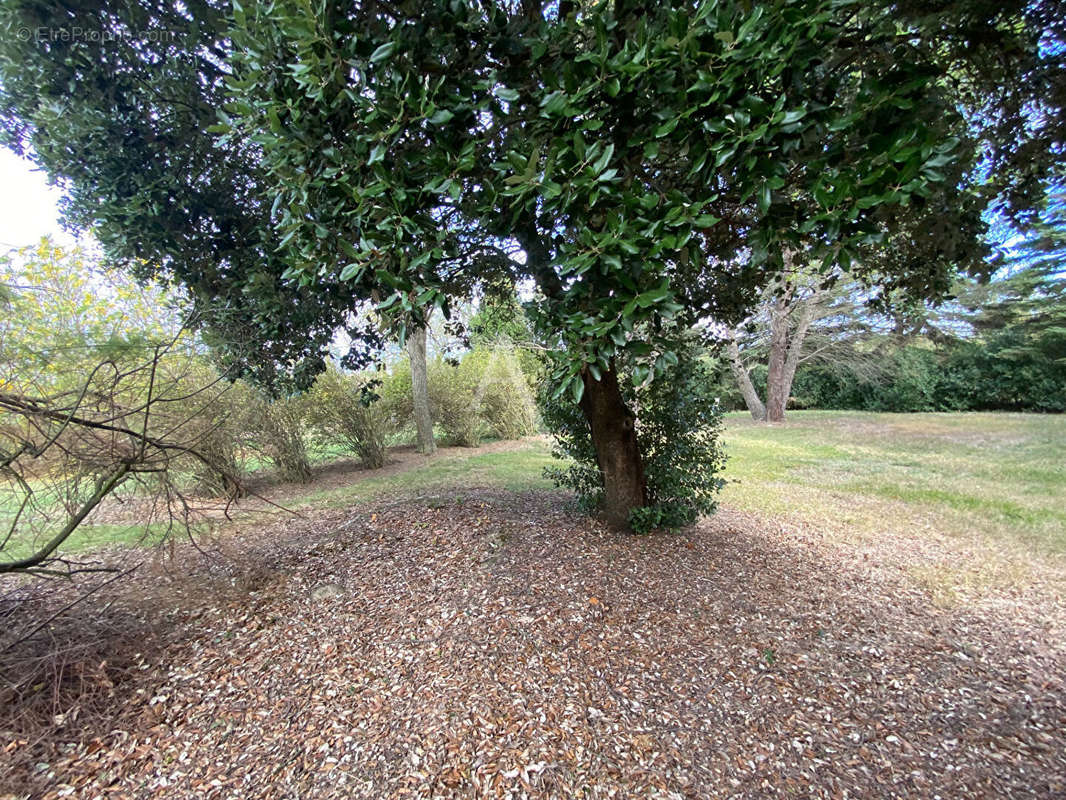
495 644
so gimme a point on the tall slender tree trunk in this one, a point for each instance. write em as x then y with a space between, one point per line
776 390
416 349
795 345
747 388
614 436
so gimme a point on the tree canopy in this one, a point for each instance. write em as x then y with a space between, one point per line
631 150
119 114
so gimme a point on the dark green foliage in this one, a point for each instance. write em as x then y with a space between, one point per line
1000 346
631 150
398 154
995 376
968 376
126 125
677 430
905 381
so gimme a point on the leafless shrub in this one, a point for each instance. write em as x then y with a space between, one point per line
126 434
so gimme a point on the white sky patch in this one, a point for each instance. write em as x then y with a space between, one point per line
29 207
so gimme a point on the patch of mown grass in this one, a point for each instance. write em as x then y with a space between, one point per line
518 469
999 476
92 537
984 474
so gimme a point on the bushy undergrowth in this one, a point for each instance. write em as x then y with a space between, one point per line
486 393
215 423
344 409
455 400
678 427
507 403
277 429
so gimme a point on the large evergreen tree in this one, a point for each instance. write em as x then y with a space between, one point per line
631 150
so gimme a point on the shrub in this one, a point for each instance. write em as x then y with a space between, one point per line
962 376
1001 374
344 409
507 404
455 397
216 426
678 426
484 394
395 403
277 428
487 393
914 373
210 412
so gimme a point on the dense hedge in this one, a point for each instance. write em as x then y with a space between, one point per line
993 376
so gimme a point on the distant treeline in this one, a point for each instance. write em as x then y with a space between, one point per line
998 374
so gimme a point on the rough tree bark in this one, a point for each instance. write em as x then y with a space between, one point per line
611 423
743 379
416 349
790 319
614 436
776 390
794 353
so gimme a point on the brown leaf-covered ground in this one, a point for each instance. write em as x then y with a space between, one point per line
496 644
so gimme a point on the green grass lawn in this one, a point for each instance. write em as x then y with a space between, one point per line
1000 477
989 474
970 475
91 537
517 469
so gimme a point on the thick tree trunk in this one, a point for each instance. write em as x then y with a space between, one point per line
747 388
612 424
416 349
614 436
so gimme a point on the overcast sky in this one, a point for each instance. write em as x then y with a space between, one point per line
28 206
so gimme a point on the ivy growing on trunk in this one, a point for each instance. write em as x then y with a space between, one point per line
676 429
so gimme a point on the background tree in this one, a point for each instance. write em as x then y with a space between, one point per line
64 311
997 346
416 351
100 399
1028 302
778 330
